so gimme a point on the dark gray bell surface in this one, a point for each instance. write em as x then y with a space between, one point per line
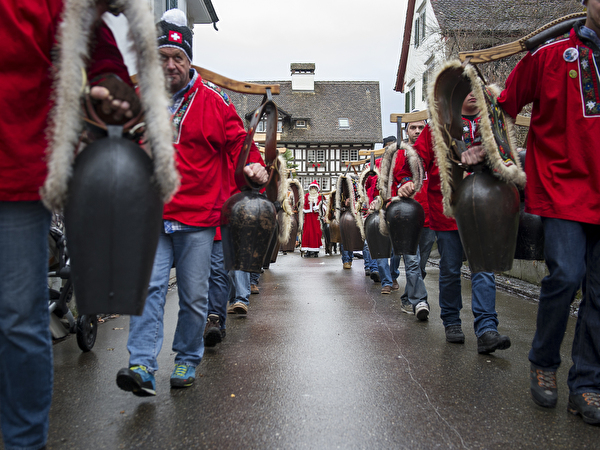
405 219
380 246
530 238
486 210
350 233
113 220
248 222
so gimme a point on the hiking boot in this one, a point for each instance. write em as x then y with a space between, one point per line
422 311
239 308
490 341
587 405
183 376
375 277
395 285
347 265
138 380
407 308
367 273
454 334
212 331
543 386
254 289
386 290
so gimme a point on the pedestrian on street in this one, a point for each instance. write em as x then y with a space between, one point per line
562 165
415 298
311 235
26 367
208 134
483 284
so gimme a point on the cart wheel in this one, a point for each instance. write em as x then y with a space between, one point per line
87 328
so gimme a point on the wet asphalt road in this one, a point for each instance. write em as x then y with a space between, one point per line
322 361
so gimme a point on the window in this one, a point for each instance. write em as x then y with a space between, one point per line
409 100
311 155
320 155
353 155
344 123
420 26
325 184
427 76
262 126
172 4
345 155
300 123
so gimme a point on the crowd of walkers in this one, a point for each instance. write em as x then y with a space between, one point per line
559 78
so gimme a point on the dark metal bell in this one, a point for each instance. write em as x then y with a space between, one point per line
113 220
334 231
405 219
248 221
290 244
350 233
530 238
271 256
380 246
486 210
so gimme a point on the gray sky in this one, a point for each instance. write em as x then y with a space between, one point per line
347 40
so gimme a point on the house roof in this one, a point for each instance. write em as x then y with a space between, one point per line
508 16
357 101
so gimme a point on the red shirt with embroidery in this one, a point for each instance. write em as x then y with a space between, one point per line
208 139
424 147
27 30
563 161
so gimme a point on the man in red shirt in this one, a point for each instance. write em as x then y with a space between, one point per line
28 31
561 79
483 284
208 136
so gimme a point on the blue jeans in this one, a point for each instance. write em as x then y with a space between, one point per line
254 277
346 256
483 287
370 264
388 269
570 248
240 282
414 291
25 341
191 252
218 284
425 244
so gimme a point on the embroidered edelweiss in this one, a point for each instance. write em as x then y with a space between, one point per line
590 105
584 64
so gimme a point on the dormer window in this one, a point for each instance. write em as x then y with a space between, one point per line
262 126
344 123
300 123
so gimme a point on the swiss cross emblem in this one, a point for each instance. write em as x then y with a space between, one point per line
175 36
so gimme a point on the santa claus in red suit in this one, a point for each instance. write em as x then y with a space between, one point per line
311 235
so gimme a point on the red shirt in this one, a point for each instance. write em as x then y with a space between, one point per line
208 141
563 160
27 31
401 167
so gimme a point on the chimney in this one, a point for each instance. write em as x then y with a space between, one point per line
303 76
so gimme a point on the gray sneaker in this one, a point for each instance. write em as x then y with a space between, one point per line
422 311
407 308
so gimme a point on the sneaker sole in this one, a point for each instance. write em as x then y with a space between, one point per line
129 384
410 313
573 410
487 350
239 310
178 383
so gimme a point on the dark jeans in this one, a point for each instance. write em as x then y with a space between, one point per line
483 287
570 248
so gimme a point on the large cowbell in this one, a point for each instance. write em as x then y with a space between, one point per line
380 246
486 210
249 218
405 220
351 238
113 219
